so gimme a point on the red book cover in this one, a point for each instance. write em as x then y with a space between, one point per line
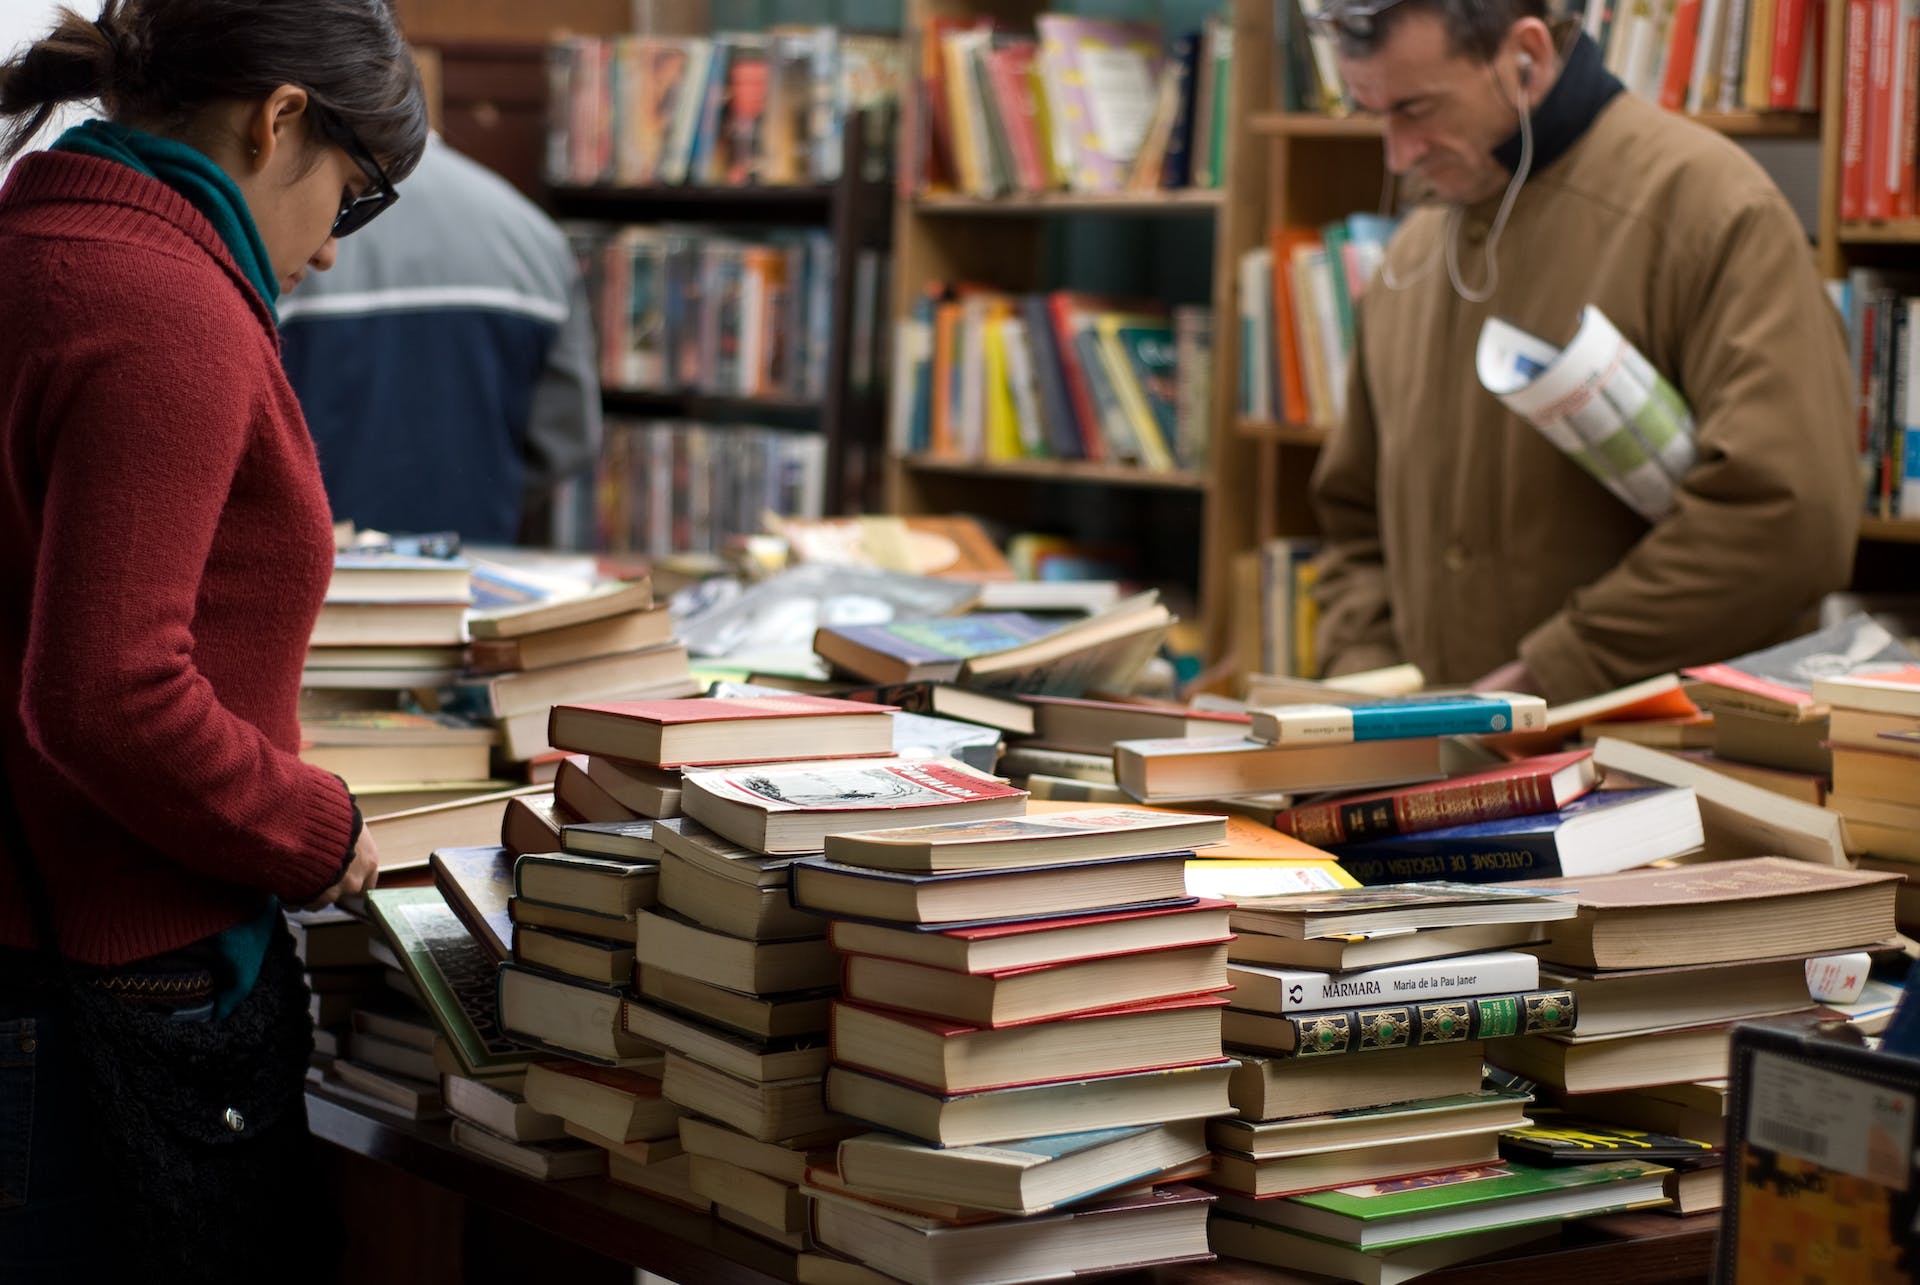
1682 36
1789 48
1880 114
1286 326
1907 110
1525 788
981 932
1853 120
1010 71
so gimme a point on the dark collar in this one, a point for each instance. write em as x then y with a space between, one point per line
1584 87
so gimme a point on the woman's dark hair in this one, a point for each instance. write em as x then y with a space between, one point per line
156 63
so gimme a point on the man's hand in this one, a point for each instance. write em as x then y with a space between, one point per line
1510 677
362 873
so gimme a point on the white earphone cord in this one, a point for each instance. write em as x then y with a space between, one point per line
1457 212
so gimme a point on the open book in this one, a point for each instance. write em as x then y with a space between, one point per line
1599 400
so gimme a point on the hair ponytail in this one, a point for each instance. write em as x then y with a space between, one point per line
73 63
156 63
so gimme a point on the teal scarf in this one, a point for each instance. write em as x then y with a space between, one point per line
193 174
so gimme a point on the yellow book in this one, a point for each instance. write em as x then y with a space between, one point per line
1003 421
1756 85
1232 879
1151 444
953 49
1056 178
1306 618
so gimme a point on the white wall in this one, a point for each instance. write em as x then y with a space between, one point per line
21 23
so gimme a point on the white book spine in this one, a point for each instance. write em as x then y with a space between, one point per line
1303 991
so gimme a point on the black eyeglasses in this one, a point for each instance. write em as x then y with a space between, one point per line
1357 19
358 211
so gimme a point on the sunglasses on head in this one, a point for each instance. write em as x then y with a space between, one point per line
358 211
1354 18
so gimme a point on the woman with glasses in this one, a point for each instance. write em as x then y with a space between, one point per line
164 547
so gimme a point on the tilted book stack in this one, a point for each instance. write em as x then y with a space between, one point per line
1362 1019
1024 1065
1874 735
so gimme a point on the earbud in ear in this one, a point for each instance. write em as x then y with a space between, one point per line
1525 63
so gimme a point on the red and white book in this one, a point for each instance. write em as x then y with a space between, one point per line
1853 107
1526 788
793 807
707 730
1883 138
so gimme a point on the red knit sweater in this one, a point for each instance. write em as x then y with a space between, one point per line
164 547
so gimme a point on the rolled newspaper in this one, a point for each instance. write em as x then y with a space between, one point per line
1598 399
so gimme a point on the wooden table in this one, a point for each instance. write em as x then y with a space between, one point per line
635 1230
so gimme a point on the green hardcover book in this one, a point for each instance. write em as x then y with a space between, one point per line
1328 1032
454 975
1560 1138
1383 1215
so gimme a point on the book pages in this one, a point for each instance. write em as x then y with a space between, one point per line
1599 400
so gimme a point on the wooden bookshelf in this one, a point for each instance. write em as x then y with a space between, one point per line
1198 519
856 212
1080 472
1893 232
1891 530
1732 124
1160 204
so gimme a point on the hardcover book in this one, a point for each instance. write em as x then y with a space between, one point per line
705 730
970 896
1025 840
1398 718
1595 834
988 948
1398 906
788 808
1779 680
1566 1138
613 598
1327 1033
1289 990
935 650
1527 788
477 883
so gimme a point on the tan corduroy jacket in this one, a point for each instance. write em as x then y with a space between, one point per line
1459 538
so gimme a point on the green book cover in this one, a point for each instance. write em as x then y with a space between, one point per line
454 974
1456 1190
1150 352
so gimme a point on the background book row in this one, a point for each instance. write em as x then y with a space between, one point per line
1277 614
737 109
1081 104
1880 115
1297 295
986 375
1687 55
677 487
1880 338
692 309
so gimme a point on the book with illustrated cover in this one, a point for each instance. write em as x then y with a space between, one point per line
1291 990
791 808
1595 834
477 883
1820 1174
1379 1028
1529 787
1779 680
1564 1138
613 598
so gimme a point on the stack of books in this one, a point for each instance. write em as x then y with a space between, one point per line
335 952
1362 1019
612 642
1874 735
1661 965
1769 729
1063 1056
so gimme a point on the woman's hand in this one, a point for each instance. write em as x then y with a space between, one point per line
362 873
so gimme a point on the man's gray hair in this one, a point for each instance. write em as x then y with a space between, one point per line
1475 28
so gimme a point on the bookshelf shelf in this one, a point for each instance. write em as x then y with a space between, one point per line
1283 434
807 204
1186 201
1073 471
776 412
1893 232
1732 124
1891 530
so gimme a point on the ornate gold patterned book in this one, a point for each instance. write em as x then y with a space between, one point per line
1396 1026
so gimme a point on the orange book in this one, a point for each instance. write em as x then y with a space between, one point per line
946 335
1286 326
1682 37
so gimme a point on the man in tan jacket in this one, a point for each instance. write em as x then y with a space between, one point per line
1458 537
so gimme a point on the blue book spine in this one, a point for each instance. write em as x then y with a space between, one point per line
1513 858
1056 407
1398 720
1177 171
